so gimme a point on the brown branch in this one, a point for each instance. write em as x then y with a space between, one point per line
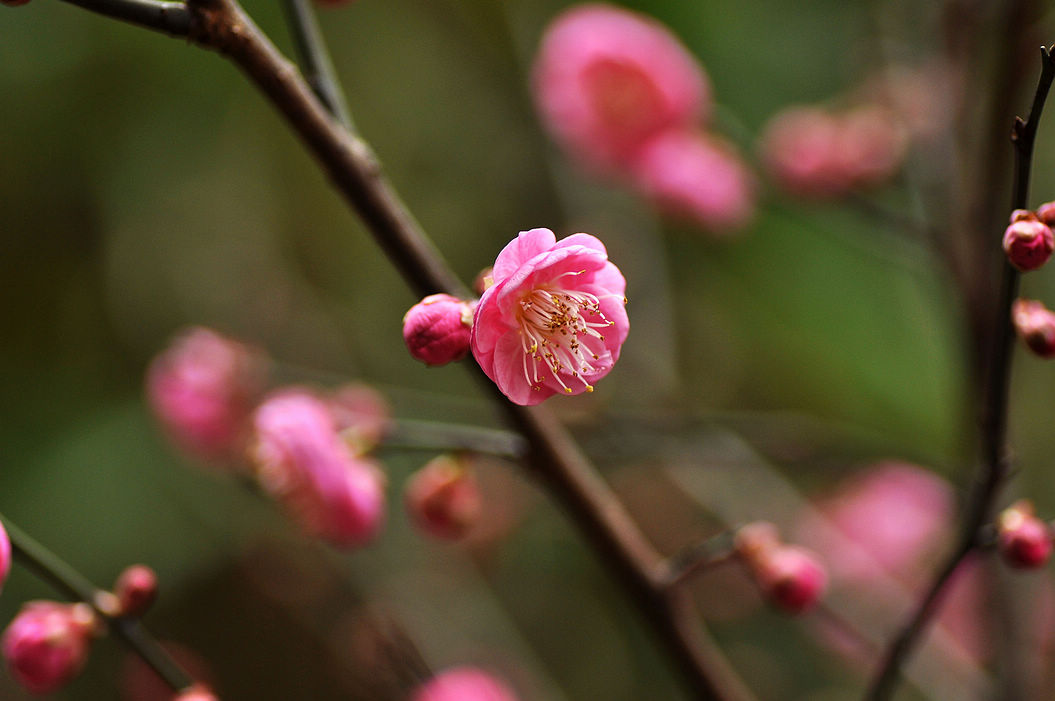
993 471
223 26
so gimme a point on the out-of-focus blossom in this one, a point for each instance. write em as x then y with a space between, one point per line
136 589
815 153
1028 242
464 684
300 458
47 643
202 389
698 177
607 79
436 329
361 414
443 498
555 319
881 522
1023 539
5 555
196 693
1035 325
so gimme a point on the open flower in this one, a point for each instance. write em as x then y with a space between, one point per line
607 79
554 320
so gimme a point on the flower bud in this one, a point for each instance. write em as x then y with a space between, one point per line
436 329
464 684
443 498
198 692
791 578
1028 242
136 589
47 644
1024 541
1035 325
202 389
5 555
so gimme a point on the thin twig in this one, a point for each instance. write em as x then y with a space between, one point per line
554 457
707 553
994 467
171 18
75 586
408 434
315 61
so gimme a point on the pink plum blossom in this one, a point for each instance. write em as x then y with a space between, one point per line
1028 242
300 458
47 644
607 79
436 329
696 176
202 389
554 320
464 684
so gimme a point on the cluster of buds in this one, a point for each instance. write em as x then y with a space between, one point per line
437 329
1028 240
300 457
790 577
1024 541
443 498
464 684
627 99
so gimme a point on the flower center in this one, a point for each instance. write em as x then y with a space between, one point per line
556 328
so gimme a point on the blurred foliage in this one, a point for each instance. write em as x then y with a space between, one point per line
146 186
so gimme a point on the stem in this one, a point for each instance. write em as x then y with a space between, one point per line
993 471
315 60
75 586
434 435
170 18
703 555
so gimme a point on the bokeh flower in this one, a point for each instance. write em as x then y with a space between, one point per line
464 684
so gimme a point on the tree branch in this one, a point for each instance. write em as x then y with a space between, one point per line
73 585
993 470
315 60
171 18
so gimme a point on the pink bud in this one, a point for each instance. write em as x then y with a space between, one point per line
1046 213
1025 541
47 644
362 416
698 177
1035 325
136 589
202 389
1028 242
5 555
197 692
464 684
300 458
792 578
436 329
442 498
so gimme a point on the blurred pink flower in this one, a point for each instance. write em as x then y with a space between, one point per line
5 555
554 320
607 79
136 589
884 522
300 459
202 389
443 498
1035 325
47 644
464 684
696 176
436 329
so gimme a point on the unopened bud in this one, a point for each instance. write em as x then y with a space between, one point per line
136 589
464 684
47 644
1035 325
436 329
443 498
791 578
1024 541
1028 242
198 692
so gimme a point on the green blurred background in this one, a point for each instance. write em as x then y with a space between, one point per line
147 186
